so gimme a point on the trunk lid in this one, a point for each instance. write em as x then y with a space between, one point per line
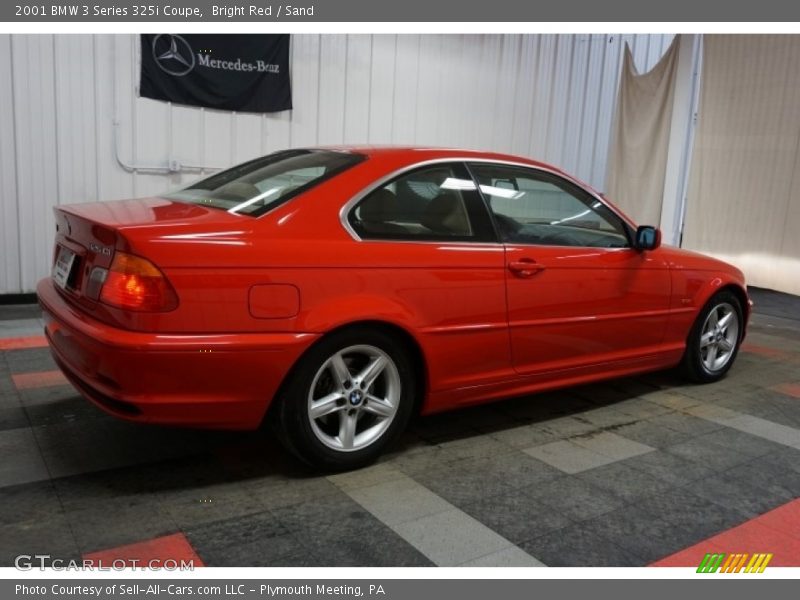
88 235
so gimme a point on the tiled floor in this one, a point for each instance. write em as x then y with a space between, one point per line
630 472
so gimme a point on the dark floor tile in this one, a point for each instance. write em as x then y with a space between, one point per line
786 459
516 515
731 492
625 482
577 546
744 443
770 476
28 360
641 533
28 502
686 424
668 467
686 509
464 482
230 542
575 498
38 536
278 550
13 418
99 530
378 547
518 469
14 312
328 517
652 434
708 454
63 410
32 397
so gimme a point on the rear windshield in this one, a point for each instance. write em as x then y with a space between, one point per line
259 185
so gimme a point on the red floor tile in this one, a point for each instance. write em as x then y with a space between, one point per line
18 343
790 389
152 553
777 531
39 379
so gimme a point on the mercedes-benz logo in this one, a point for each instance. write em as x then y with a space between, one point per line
173 54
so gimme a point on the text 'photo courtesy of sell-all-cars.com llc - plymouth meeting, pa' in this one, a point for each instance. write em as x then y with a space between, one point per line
329 294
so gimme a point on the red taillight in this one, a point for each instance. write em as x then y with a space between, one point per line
134 283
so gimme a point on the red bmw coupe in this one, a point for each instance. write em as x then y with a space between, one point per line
335 292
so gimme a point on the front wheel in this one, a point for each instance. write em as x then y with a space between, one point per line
349 397
715 338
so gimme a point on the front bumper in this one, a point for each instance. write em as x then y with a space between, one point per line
207 380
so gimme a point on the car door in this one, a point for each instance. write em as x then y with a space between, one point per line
578 294
431 248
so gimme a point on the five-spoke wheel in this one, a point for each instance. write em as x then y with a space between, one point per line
714 340
354 397
348 398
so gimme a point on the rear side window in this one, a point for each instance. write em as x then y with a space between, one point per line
259 185
438 203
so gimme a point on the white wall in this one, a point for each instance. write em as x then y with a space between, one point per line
548 97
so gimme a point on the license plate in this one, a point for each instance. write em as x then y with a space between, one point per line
63 266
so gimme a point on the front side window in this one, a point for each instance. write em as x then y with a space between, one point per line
534 207
438 202
259 185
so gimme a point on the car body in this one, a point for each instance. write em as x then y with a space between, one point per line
488 294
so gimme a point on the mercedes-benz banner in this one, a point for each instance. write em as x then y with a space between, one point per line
248 73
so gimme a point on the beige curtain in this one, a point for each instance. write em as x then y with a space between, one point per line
744 189
640 138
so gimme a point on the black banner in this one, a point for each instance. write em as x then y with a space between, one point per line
248 73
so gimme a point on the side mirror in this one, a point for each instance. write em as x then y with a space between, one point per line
647 238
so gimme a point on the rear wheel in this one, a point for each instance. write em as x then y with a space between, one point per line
714 340
347 400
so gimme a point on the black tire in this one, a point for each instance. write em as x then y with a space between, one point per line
311 439
695 363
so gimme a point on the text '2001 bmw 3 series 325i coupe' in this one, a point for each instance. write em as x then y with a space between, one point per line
333 293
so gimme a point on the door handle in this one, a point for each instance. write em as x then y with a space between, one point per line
525 267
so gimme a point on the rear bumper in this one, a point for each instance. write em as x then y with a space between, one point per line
214 380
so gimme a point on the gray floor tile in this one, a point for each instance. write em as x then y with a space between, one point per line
509 557
568 456
611 445
524 436
452 537
399 501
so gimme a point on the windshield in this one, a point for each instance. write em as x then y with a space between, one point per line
259 185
